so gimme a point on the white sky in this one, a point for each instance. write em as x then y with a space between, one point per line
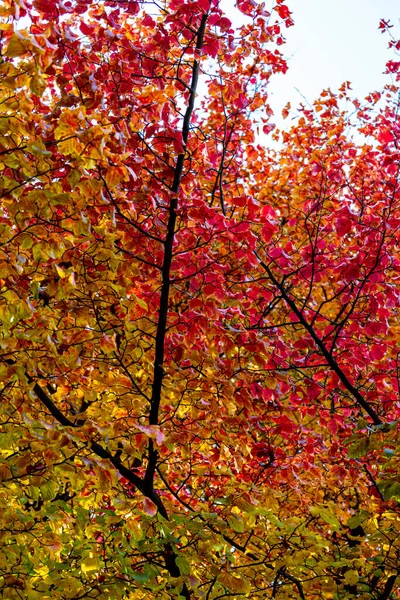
332 42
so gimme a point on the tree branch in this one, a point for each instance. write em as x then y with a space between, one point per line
166 268
319 343
95 446
389 585
372 480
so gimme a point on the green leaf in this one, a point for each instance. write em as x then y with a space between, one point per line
140 577
390 488
27 242
325 515
236 524
48 490
38 149
184 565
356 520
359 448
224 501
74 178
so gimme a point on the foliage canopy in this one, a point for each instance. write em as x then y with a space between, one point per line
199 335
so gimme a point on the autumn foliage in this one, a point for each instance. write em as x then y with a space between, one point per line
199 336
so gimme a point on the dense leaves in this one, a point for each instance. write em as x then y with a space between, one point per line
199 336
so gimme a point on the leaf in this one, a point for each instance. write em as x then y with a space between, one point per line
90 563
4 472
37 85
357 520
74 178
236 524
234 584
141 303
17 46
153 431
48 490
359 448
351 577
184 565
390 488
149 507
108 343
325 515
140 577
114 176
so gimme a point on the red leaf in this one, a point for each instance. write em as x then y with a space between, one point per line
283 11
132 8
268 128
242 227
285 425
343 226
86 29
377 352
148 21
48 9
385 137
333 426
268 231
211 47
149 507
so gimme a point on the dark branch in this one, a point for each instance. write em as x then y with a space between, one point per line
389 585
320 344
166 268
95 446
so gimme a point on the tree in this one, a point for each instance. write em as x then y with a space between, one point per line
199 355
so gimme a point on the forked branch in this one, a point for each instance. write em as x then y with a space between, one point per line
330 359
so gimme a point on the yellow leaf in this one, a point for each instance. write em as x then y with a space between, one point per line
4 125
70 146
70 585
62 273
42 570
245 506
114 176
90 563
135 529
351 577
142 303
17 45
37 85
236 524
234 584
107 343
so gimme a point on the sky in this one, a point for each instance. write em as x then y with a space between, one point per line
333 42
